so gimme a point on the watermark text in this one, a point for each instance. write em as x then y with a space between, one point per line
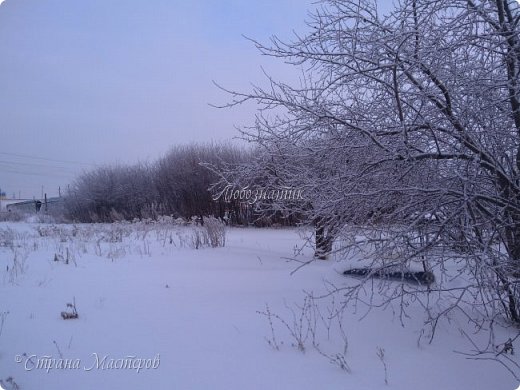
95 362
250 195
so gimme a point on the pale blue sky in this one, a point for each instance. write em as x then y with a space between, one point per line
105 81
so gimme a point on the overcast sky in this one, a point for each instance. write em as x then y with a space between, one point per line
108 81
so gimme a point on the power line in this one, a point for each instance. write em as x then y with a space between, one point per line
62 176
37 166
46 159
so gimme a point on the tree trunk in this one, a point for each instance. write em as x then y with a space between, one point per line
323 242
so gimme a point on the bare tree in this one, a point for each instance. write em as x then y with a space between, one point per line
406 127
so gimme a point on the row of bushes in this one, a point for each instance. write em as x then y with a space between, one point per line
176 184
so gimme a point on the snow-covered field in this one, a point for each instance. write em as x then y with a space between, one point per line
155 313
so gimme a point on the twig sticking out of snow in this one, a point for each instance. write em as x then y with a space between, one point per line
68 315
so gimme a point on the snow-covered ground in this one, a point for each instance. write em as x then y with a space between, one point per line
145 297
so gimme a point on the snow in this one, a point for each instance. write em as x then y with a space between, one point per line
197 311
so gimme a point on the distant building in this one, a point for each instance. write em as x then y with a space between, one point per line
27 206
4 202
51 206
